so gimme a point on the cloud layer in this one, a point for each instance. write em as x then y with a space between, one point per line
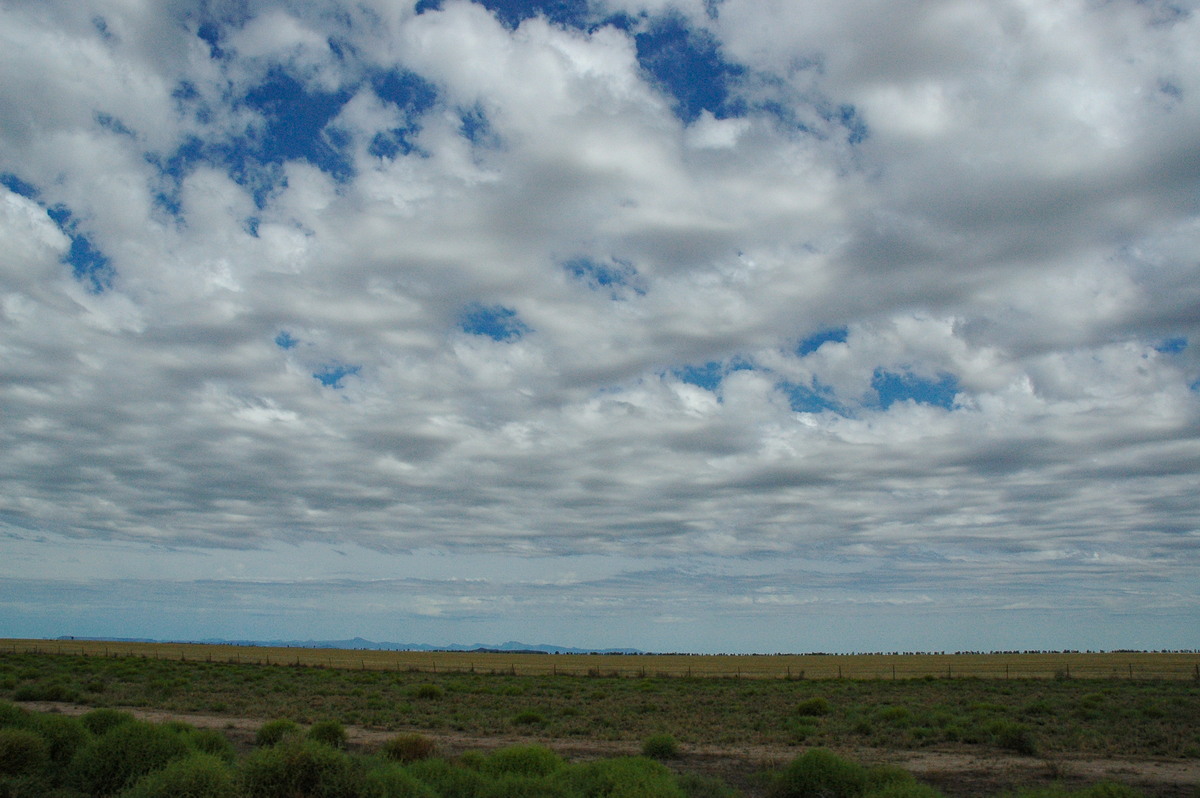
627 322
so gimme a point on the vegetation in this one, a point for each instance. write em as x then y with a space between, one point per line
1183 665
1044 717
660 746
135 759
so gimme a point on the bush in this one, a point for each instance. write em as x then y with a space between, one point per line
22 753
624 777
63 734
912 789
393 781
48 690
197 775
695 785
274 732
428 691
99 721
409 748
1014 737
660 746
524 760
813 708
516 785
329 732
14 717
122 755
819 773
529 718
446 780
299 769
212 742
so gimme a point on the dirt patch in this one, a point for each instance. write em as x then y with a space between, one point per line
958 772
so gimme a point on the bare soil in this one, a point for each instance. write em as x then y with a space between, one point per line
958 771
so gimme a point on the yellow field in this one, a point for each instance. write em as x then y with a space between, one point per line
1124 665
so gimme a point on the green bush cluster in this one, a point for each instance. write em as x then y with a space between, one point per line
112 755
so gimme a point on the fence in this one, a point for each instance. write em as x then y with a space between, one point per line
1068 665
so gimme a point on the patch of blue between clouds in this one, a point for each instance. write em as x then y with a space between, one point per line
297 125
493 321
813 342
1172 346
475 128
812 398
710 375
410 93
332 374
688 64
88 264
113 125
511 13
618 277
285 340
893 387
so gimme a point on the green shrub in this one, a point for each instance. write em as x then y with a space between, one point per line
889 781
14 717
197 775
529 718
99 721
524 760
122 755
881 776
394 781
274 732
409 748
813 708
695 785
329 732
1015 737
517 785
63 734
428 691
212 742
446 780
623 777
47 690
907 790
299 769
22 752
660 746
819 773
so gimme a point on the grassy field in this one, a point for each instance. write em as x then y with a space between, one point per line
1114 665
1049 717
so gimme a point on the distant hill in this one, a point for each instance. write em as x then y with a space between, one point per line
362 644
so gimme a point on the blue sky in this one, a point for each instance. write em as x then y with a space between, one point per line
687 325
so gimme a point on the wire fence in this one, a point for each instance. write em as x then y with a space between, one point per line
1132 665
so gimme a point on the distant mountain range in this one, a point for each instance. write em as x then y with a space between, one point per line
362 644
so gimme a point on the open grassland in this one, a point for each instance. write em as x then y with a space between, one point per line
1076 665
1047 717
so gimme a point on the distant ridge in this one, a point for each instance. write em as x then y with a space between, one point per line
362 644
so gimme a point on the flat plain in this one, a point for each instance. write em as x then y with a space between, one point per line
970 724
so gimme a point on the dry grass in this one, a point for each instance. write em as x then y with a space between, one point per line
1135 665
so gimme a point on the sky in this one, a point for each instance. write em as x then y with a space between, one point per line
682 325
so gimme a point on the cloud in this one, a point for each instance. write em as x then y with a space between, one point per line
907 292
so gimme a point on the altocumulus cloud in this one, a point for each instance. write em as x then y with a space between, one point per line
732 325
